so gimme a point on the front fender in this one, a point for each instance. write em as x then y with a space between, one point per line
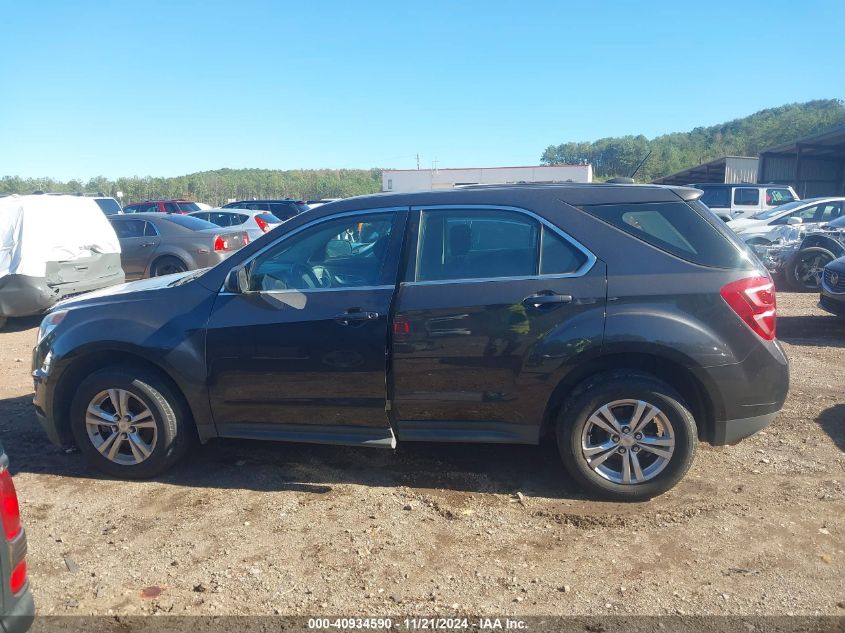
159 327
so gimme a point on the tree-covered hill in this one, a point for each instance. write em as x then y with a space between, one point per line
216 187
619 156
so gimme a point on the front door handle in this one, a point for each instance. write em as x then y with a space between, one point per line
145 244
355 315
546 298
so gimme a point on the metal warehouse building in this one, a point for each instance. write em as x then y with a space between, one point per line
728 169
407 180
814 166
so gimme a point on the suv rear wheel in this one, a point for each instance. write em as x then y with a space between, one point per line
627 437
128 423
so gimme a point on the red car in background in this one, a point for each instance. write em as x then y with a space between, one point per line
178 205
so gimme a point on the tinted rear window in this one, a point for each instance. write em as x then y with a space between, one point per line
690 232
284 210
188 207
717 197
109 206
189 222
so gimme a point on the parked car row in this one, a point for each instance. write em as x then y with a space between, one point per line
737 201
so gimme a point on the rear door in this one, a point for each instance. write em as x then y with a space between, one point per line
305 350
495 301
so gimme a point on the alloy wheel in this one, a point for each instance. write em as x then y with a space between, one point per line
809 270
628 441
121 427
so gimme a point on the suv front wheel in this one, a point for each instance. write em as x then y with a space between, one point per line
627 437
128 422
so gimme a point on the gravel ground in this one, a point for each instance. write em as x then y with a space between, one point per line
262 528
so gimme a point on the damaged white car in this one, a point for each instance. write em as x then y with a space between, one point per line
53 247
798 254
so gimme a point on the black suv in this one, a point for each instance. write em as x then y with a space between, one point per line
625 321
282 209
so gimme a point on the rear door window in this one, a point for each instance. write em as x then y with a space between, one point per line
686 231
172 207
476 244
746 196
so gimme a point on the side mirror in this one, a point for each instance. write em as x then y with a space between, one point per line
237 280
794 221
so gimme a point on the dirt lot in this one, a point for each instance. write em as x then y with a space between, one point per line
251 528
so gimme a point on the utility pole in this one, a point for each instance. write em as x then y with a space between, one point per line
418 161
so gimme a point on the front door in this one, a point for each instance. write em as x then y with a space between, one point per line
303 353
495 305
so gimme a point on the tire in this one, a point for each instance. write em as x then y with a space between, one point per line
795 276
167 266
164 435
674 422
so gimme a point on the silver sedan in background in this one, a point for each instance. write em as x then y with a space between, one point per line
154 244
255 223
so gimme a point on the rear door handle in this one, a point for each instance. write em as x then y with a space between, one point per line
145 244
355 315
546 298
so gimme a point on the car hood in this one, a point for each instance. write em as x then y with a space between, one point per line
142 285
744 224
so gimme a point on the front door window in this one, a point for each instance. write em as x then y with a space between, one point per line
346 252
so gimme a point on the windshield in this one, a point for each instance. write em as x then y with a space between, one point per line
190 222
779 210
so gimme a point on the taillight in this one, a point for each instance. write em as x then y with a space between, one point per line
753 299
220 244
245 238
18 577
10 514
263 225
401 326
9 510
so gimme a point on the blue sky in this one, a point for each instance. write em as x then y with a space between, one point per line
168 88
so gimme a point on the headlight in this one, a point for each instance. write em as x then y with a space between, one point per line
50 323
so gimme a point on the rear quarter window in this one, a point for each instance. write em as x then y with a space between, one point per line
688 231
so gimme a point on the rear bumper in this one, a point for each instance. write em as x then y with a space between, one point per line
20 616
746 396
21 295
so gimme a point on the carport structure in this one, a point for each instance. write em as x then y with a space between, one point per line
727 169
814 165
